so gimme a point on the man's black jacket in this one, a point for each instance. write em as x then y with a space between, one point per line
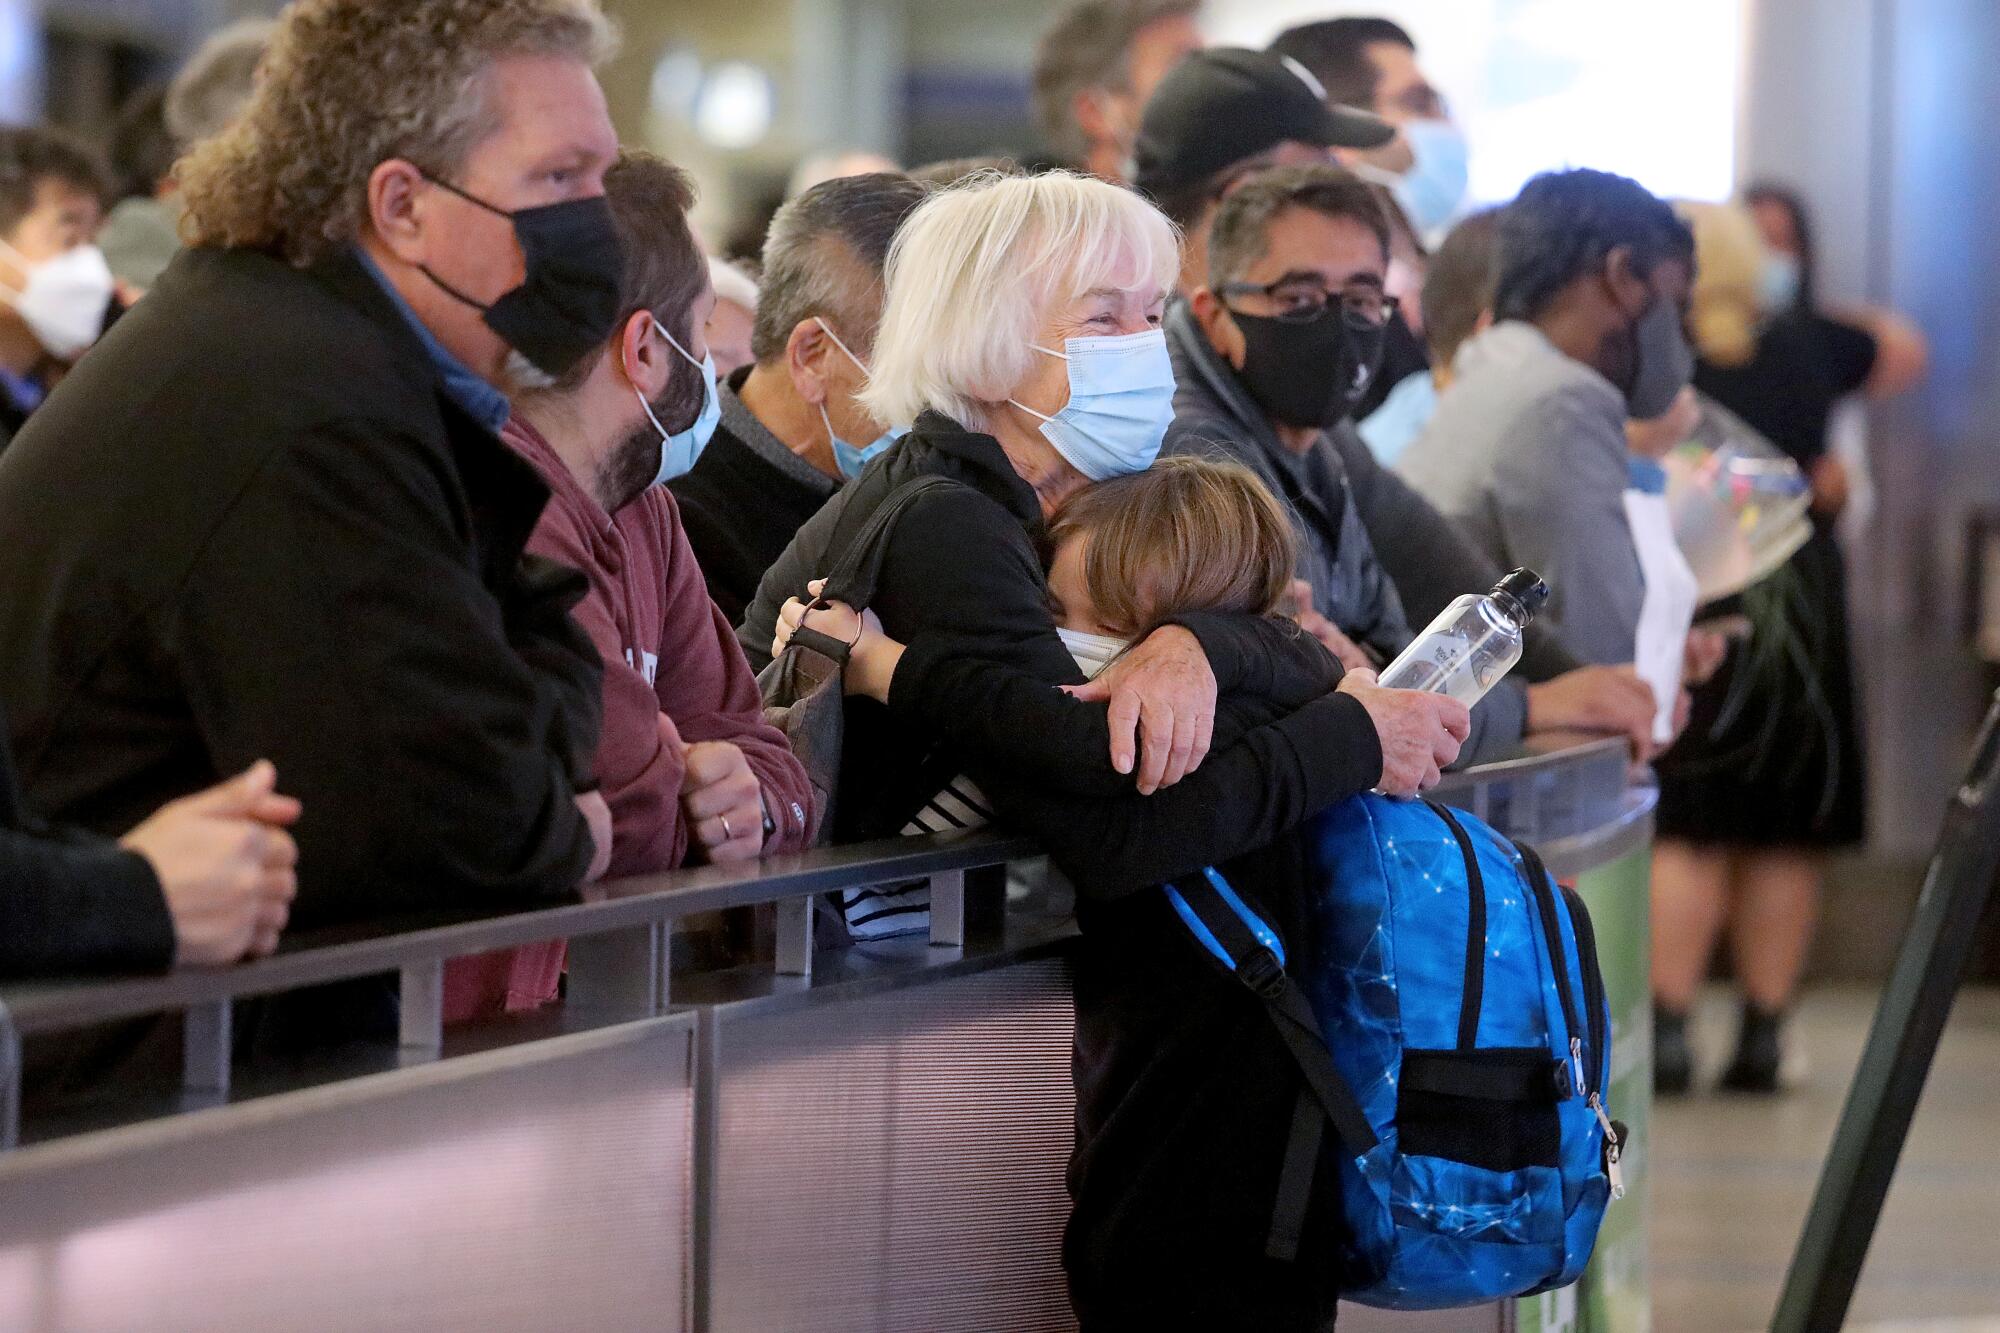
72 902
251 524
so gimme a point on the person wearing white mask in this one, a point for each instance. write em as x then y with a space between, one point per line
55 288
1371 63
792 429
684 760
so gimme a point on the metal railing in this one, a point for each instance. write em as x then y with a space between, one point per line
619 956
1569 796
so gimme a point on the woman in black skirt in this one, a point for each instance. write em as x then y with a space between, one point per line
1770 774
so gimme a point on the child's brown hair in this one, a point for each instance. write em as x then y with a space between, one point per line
1187 534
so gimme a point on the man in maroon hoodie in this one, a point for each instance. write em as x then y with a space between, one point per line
690 770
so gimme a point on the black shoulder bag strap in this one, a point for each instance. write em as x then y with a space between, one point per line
1221 929
855 574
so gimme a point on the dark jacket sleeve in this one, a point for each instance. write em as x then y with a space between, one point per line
78 904
787 577
1255 790
1427 557
541 626
960 567
995 716
1262 656
436 732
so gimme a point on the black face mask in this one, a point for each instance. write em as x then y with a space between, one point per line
1309 374
567 304
1403 355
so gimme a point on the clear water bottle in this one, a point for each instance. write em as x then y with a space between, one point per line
1473 642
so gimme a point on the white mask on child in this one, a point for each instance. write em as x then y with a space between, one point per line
1093 652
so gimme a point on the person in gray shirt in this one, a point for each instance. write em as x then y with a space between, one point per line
1527 450
1295 269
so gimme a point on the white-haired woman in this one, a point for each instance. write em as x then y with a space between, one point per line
1021 342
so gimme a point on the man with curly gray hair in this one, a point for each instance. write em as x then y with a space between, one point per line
270 515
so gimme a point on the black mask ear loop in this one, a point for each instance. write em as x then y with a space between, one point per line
477 202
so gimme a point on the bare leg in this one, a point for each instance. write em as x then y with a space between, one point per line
1690 898
1771 926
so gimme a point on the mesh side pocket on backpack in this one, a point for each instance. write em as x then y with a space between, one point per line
1494 1109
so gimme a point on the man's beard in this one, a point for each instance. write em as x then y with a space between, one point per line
624 474
630 467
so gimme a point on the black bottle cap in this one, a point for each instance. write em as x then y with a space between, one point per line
1524 588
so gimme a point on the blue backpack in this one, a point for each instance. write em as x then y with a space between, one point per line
1453 1030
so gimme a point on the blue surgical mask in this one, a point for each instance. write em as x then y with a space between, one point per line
1778 283
1434 186
1121 399
850 459
680 448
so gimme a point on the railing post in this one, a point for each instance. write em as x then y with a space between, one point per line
707 1151
621 971
205 1049
795 937
948 909
10 1081
421 1021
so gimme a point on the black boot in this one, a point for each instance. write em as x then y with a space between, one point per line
1759 1052
1673 1062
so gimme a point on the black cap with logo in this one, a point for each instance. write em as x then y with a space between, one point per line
1223 105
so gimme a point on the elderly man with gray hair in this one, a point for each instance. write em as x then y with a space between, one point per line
793 428
270 514
142 234
1095 67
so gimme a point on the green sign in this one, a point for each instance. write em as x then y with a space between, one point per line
1613 1296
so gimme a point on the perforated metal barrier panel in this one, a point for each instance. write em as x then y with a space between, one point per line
540 1187
895 1161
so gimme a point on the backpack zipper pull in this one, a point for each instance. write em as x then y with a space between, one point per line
1613 1148
1576 1061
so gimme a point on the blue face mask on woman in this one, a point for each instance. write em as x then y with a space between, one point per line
1121 399
680 448
849 458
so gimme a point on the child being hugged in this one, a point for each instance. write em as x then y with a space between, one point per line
1130 554
1185 1090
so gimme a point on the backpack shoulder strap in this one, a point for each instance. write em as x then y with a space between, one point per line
1474 992
1246 946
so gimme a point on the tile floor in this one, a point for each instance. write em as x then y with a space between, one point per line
1733 1178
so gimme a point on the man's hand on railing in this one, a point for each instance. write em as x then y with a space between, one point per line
226 865
1596 698
1162 697
724 803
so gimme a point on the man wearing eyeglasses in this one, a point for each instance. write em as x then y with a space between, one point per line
1270 356
1273 352
1217 123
